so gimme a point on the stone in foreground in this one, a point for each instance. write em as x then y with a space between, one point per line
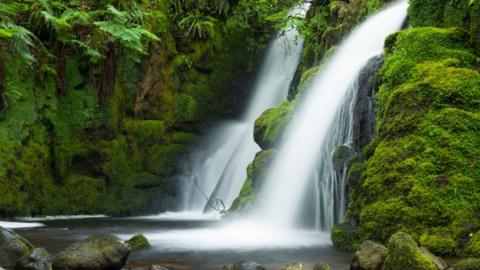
157 267
321 266
12 247
97 252
138 241
244 265
370 256
404 253
294 266
39 259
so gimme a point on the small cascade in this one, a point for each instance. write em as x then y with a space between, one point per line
303 172
218 168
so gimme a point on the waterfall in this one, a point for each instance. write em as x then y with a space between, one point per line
303 168
218 168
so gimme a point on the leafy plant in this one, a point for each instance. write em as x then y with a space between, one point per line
196 24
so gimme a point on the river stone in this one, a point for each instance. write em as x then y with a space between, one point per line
321 266
157 267
39 259
12 247
294 266
370 256
94 253
244 265
138 241
439 262
404 253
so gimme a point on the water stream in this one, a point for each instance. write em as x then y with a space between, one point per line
218 168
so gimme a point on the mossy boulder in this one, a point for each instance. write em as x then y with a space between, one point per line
370 256
467 264
438 243
342 156
95 252
294 266
13 247
138 241
322 266
404 253
270 126
245 265
472 248
38 259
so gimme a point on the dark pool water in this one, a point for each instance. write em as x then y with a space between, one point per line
58 234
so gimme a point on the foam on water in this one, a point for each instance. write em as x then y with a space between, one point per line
20 225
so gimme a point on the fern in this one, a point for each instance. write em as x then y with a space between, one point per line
196 24
21 39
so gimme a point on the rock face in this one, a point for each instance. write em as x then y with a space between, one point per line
439 262
294 266
39 259
245 265
94 253
370 256
404 253
138 241
12 247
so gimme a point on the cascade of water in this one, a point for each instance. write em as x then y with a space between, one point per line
219 170
322 122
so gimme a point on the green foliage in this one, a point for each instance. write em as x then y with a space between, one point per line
346 237
468 264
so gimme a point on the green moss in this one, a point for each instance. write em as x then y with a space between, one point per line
270 126
162 159
438 243
138 241
420 172
472 248
404 253
346 237
82 194
146 132
467 264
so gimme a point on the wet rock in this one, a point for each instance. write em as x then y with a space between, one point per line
138 241
321 266
12 247
439 262
39 259
342 156
467 264
157 267
294 266
244 265
404 253
370 256
94 253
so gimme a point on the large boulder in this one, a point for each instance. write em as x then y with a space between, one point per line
39 259
404 253
294 266
245 265
12 247
439 262
370 256
138 241
94 253
467 264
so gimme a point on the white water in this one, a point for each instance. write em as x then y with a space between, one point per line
20 225
291 176
219 170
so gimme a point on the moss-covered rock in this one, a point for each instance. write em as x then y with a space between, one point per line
418 176
346 237
138 241
95 252
404 253
472 248
322 266
38 259
270 126
370 256
13 247
294 266
467 264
